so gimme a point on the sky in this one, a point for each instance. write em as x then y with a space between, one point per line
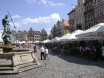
36 14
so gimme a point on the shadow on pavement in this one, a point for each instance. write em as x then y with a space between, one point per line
78 60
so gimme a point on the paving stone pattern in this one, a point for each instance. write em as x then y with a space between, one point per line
63 67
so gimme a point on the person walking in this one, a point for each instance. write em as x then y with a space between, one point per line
34 48
42 51
46 54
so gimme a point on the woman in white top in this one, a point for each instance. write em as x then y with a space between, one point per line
46 54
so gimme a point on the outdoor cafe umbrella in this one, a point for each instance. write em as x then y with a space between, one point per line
46 41
54 40
72 35
97 30
63 37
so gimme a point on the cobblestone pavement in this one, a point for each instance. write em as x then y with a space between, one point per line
63 67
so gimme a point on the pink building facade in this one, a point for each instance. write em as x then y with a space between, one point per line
99 11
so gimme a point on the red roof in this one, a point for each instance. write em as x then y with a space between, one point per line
66 22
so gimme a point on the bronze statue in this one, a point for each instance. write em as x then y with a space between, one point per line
6 36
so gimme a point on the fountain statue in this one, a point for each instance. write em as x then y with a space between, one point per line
6 35
14 60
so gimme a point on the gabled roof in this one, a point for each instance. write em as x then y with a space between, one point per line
65 22
37 32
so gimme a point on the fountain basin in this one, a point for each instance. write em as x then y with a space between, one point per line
17 61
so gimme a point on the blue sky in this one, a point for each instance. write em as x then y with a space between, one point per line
37 14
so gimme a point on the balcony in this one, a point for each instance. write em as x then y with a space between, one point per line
89 11
71 21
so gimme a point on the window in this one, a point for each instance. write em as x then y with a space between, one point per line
82 19
100 21
91 16
101 11
89 25
90 6
97 14
82 9
86 8
88 17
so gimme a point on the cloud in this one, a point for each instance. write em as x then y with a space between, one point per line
56 4
30 1
47 19
44 1
29 20
16 16
51 3
53 17
17 24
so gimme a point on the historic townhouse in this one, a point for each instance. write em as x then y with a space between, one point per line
30 35
60 28
56 30
36 35
65 25
43 35
24 35
99 11
80 23
53 31
89 13
19 36
49 37
72 20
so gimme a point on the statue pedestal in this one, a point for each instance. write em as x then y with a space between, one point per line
16 61
7 48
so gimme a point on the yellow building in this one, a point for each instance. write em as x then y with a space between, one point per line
65 26
60 28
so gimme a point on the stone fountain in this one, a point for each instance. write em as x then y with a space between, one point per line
14 61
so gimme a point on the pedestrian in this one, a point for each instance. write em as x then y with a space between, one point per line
42 51
46 53
34 48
